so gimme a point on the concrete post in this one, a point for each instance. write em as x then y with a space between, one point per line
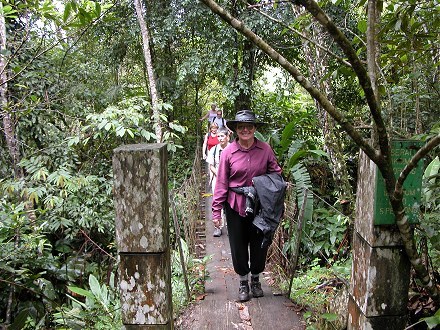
142 234
380 272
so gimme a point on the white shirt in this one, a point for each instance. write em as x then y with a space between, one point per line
219 121
214 155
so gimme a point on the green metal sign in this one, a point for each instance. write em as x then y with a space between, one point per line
401 152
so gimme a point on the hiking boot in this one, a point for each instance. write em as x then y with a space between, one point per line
256 289
243 291
217 232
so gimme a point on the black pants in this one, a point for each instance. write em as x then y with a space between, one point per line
245 240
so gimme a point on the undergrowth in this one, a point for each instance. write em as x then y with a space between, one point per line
97 306
195 269
314 288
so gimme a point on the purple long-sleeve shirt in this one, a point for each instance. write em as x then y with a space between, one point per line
237 167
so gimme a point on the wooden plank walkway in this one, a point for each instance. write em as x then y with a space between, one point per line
220 310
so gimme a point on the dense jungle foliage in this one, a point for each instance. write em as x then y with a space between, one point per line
74 87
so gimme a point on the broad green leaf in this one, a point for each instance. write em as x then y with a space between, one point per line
120 131
102 124
146 134
430 172
112 281
95 287
167 106
398 25
73 140
307 315
33 196
81 291
81 17
73 5
295 157
67 10
98 8
433 321
329 316
104 295
8 12
362 26
319 153
76 301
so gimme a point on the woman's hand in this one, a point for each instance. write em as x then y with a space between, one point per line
213 170
217 222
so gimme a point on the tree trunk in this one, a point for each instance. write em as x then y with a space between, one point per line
244 68
373 51
8 122
317 62
9 130
247 69
416 91
150 71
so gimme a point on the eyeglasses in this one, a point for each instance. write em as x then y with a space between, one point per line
249 127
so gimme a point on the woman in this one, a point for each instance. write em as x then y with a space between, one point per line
213 160
210 139
210 115
245 158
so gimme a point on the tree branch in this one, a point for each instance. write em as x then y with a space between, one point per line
422 152
273 19
403 223
361 73
298 76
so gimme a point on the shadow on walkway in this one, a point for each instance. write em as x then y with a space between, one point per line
220 310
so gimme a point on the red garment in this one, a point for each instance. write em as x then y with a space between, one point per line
212 141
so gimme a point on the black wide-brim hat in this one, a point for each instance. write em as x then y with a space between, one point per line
243 116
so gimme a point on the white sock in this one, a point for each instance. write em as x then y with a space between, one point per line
244 278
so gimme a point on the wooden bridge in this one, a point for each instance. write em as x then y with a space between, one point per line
219 308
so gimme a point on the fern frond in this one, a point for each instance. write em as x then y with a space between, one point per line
303 183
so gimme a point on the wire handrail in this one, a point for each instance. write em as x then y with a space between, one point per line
276 254
187 201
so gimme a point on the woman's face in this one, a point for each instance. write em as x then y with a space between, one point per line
245 131
214 129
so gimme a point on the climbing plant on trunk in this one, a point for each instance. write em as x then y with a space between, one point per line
150 70
8 122
318 62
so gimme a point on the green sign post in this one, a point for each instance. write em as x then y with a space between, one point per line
401 152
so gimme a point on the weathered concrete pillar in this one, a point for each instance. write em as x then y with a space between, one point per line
381 269
142 233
